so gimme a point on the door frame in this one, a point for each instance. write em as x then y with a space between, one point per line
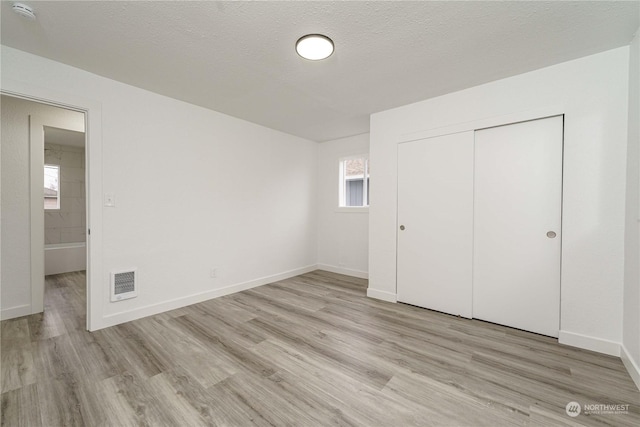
93 189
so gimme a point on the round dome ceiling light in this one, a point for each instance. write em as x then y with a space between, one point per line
24 10
314 47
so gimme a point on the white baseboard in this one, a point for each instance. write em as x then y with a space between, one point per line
382 295
17 311
631 365
149 310
346 271
586 342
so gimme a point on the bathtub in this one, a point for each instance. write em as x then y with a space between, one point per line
65 258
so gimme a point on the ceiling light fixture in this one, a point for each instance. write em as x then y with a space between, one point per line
24 10
314 47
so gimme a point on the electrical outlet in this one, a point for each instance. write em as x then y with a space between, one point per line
213 273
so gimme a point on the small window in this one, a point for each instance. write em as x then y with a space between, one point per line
354 181
51 187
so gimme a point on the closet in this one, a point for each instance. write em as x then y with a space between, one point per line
479 217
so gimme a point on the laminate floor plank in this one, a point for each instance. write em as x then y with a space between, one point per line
262 396
59 402
290 298
146 356
95 362
56 358
21 407
233 409
173 402
310 321
136 398
224 324
222 311
357 368
14 333
205 366
446 402
325 408
311 350
16 363
46 325
225 350
364 404
114 353
17 368
200 399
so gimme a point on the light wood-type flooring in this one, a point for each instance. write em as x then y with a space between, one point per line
308 351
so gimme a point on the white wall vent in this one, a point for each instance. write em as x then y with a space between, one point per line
123 285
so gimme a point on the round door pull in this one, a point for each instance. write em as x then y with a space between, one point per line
402 227
551 234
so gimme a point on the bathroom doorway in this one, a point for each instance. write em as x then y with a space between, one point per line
44 208
64 201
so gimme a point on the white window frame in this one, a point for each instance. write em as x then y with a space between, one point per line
341 185
57 208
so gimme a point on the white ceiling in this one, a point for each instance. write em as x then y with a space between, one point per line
63 137
239 58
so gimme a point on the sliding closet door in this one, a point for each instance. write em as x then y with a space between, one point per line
435 220
517 218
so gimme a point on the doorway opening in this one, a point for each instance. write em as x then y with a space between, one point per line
49 144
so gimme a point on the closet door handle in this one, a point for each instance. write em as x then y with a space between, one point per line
551 234
402 227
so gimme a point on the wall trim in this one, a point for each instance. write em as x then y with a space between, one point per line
17 311
149 310
586 342
346 271
631 365
382 295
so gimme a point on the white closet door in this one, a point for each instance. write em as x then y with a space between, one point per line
435 220
517 218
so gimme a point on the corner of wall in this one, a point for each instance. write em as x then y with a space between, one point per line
631 365
589 343
630 351
382 295
346 271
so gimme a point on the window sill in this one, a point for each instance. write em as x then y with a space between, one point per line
352 209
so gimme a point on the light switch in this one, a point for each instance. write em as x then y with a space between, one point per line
109 200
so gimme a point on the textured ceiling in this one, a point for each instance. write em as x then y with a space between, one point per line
238 57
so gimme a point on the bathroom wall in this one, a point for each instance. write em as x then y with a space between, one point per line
66 225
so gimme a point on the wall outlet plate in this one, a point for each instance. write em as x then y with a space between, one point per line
109 200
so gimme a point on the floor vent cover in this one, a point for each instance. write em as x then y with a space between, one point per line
123 285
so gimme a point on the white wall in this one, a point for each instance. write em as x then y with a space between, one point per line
67 224
15 290
592 93
631 319
194 190
343 234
